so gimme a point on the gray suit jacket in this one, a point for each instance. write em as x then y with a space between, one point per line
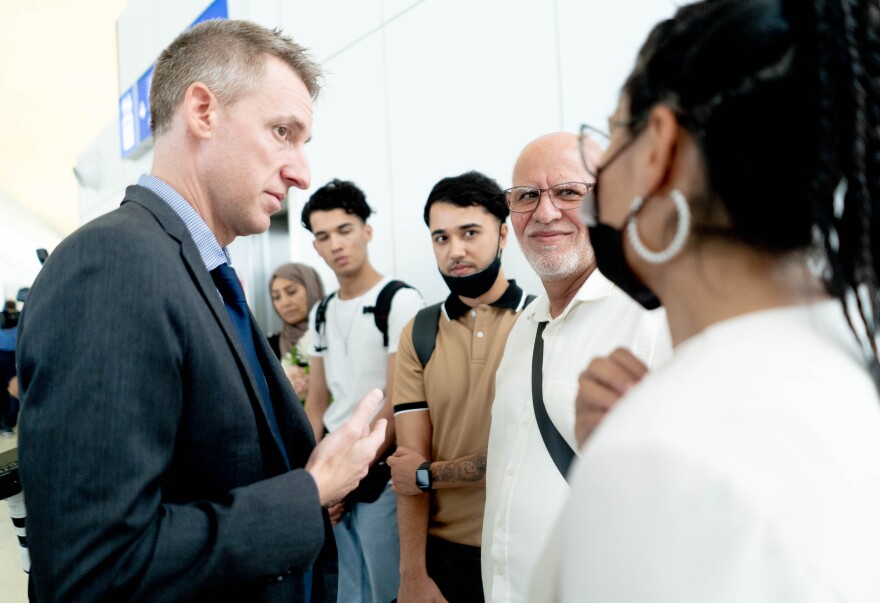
149 469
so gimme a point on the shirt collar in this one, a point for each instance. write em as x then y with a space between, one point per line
596 287
209 249
509 300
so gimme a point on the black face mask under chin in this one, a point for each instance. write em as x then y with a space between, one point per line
608 247
476 284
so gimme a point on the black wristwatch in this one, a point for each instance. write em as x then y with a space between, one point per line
423 477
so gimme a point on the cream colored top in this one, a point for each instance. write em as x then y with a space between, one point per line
746 469
524 489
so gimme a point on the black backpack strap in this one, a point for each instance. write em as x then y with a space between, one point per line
382 308
424 334
321 320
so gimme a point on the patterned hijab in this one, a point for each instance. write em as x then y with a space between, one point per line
308 278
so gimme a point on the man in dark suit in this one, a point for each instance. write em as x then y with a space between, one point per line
163 454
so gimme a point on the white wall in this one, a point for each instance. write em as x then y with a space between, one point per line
21 234
416 90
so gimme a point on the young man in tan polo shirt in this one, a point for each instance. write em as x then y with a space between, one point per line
443 392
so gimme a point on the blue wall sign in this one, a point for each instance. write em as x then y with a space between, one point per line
128 138
143 108
134 104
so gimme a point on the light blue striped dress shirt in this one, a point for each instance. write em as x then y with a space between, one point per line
212 254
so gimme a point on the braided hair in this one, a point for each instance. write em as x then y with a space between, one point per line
783 98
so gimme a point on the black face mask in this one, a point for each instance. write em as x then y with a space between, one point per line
608 246
476 284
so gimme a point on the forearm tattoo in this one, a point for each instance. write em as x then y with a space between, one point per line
469 469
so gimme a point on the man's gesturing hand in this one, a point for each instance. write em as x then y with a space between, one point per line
602 384
342 458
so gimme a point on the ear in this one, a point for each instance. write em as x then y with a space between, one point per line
660 136
199 109
503 240
369 230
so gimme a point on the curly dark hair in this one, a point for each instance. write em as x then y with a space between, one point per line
337 194
469 189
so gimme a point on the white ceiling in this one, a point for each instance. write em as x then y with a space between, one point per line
58 89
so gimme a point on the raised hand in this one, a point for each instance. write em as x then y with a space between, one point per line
601 385
342 459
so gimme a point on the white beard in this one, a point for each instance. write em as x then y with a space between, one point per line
552 266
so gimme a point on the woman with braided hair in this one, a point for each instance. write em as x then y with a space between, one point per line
738 189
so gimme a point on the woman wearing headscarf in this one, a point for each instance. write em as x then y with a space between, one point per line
295 289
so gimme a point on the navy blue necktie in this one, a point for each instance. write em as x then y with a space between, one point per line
233 298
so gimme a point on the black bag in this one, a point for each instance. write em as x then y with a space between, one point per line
373 484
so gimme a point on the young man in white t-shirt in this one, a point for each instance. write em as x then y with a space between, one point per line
350 355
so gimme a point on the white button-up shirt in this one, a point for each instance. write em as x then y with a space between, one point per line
524 490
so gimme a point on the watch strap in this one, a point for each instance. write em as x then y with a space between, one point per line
424 485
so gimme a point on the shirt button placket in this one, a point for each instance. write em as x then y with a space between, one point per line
480 341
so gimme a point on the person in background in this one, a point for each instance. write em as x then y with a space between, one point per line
295 289
354 333
8 373
739 189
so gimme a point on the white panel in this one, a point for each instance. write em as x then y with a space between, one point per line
177 16
264 12
393 8
598 44
109 202
349 142
329 27
137 40
104 192
469 84
145 28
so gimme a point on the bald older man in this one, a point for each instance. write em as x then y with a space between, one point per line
580 315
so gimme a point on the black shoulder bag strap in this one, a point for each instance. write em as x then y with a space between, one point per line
320 320
424 333
559 450
382 309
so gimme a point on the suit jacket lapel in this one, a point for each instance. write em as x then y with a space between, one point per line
175 227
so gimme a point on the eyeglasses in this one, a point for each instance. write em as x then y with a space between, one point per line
589 208
596 136
566 195
589 213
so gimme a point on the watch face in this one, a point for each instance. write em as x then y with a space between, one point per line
423 478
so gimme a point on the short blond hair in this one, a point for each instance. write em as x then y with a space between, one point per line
229 57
